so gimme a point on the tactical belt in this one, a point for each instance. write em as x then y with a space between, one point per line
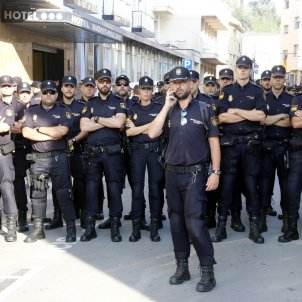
145 146
246 139
186 169
104 149
36 155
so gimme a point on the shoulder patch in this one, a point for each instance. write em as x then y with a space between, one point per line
123 106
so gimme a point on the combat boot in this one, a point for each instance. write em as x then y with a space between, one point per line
37 233
262 222
220 232
90 232
115 231
182 272
144 225
254 234
11 234
136 233
128 216
71 233
56 222
292 232
210 220
22 222
236 223
207 281
284 228
154 230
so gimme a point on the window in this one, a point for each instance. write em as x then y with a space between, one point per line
297 22
285 29
296 50
286 4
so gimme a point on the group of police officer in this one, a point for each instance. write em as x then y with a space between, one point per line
205 148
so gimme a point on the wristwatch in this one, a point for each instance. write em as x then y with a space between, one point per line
217 172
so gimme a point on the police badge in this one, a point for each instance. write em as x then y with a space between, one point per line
230 98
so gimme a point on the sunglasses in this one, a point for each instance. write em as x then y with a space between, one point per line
183 119
69 85
52 92
102 81
89 85
6 85
25 91
122 84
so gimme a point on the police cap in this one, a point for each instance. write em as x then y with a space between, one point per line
122 77
179 73
209 80
160 84
167 78
23 87
6 80
194 75
88 81
266 74
48 85
244 61
71 80
278 70
226 73
145 81
103 74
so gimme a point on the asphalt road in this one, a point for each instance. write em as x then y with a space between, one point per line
53 271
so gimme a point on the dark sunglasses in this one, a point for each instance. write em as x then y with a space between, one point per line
52 92
122 84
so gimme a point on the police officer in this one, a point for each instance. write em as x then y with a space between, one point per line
192 137
294 185
275 145
22 147
265 81
226 77
160 89
46 126
87 89
241 109
7 172
103 119
144 153
210 86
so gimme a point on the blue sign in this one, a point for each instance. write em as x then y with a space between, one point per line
187 63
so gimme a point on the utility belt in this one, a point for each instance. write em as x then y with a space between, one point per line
270 144
295 143
7 148
152 146
186 169
111 149
36 155
231 140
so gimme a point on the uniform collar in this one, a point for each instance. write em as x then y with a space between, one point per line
243 87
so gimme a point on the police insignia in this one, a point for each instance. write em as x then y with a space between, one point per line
91 110
123 105
84 110
169 124
214 121
230 98
294 108
68 115
35 117
214 107
9 112
178 71
221 96
135 116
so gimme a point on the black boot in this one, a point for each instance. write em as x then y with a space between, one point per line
56 222
11 234
236 223
254 234
182 272
210 220
106 224
220 232
284 228
136 233
292 232
115 231
271 212
37 233
99 216
262 222
144 226
90 232
154 230
22 221
207 281
83 220
71 233
127 216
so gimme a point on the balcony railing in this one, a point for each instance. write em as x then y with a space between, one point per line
117 12
142 24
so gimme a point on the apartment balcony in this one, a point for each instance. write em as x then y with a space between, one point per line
163 7
117 12
142 24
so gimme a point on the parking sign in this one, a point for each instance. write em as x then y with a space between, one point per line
187 63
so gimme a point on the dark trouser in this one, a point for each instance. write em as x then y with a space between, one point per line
294 182
7 176
186 201
112 166
21 165
56 168
212 201
272 160
242 158
141 159
236 205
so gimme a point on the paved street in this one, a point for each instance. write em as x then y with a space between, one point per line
100 270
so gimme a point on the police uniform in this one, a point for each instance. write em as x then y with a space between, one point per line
294 185
226 73
49 161
7 172
105 157
266 75
275 151
240 152
187 163
144 153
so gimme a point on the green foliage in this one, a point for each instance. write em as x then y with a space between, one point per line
258 16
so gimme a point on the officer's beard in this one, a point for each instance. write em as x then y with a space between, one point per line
182 96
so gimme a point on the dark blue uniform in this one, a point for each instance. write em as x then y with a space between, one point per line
7 172
187 159
49 160
144 153
275 151
241 145
104 149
